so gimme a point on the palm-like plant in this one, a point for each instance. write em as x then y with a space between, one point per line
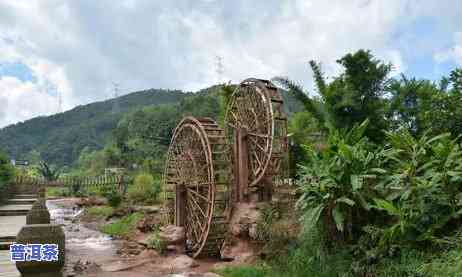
48 172
350 98
315 106
338 182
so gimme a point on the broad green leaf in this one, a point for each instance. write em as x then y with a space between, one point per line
363 201
378 170
406 194
387 206
439 137
345 200
356 182
338 218
311 216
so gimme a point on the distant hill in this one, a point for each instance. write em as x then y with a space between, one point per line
60 137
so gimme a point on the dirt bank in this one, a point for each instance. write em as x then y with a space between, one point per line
92 253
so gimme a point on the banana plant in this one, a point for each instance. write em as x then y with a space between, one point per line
423 192
338 182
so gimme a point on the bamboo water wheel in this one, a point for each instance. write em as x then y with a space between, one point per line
208 168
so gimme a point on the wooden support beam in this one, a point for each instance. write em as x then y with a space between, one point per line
242 161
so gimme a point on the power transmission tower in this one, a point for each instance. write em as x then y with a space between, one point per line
220 69
115 104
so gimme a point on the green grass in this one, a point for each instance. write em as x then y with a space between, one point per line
156 243
449 264
244 271
99 211
56 192
123 226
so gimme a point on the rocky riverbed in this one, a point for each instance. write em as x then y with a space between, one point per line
92 253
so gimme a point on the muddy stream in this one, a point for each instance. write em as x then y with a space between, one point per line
99 254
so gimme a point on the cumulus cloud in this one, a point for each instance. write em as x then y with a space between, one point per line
80 47
22 100
452 54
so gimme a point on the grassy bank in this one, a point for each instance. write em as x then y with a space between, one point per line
123 226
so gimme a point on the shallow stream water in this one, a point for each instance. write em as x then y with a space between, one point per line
82 243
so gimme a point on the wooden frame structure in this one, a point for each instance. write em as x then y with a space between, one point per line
208 169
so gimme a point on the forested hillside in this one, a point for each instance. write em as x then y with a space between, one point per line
60 138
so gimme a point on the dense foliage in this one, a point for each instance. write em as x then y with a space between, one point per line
48 172
379 166
6 174
378 162
145 189
60 138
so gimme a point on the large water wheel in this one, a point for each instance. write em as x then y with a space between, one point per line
256 126
204 162
196 183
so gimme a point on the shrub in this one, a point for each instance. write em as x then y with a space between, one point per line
377 201
145 189
422 191
75 188
56 192
155 242
243 271
338 183
276 230
99 212
310 257
6 174
112 195
114 199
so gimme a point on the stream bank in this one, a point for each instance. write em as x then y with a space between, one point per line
89 252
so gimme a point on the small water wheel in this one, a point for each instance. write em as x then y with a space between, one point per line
208 169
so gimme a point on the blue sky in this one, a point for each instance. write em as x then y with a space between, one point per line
77 49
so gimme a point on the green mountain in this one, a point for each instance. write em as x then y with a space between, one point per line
61 137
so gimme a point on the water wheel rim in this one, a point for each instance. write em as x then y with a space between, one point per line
194 126
234 121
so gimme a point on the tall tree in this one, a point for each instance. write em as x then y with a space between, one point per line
422 105
352 97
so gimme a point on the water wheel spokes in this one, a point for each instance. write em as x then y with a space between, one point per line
195 181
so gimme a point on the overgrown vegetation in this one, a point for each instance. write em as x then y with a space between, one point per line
57 192
156 242
145 189
6 175
99 211
244 271
379 169
113 196
123 226
50 173
378 162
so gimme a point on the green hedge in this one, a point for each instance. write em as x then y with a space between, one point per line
6 175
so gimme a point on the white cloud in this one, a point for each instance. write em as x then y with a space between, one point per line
81 47
452 54
23 100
